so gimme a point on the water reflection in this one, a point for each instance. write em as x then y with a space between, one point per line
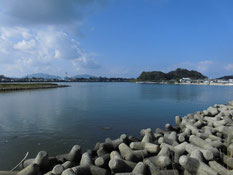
174 92
184 92
55 119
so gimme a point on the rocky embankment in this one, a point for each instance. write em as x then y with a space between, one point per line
199 143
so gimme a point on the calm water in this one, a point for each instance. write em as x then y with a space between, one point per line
56 119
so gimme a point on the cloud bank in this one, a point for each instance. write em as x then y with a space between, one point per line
39 36
50 12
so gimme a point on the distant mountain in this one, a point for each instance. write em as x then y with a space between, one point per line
42 75
173 75
226 77
86 76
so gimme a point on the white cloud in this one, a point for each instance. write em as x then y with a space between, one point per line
41 36
204 66
57 54
24 51
8 33
25 45
229 67
85 61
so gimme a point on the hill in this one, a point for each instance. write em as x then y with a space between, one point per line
152 76
226 77
177 74
42 75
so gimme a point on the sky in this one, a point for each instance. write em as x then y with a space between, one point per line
115 38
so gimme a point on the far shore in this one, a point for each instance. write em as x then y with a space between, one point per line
209 84
27 86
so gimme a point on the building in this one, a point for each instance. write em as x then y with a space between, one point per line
223 81
185 80
200 81
2 78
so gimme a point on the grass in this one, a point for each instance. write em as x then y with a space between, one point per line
10 85
24 86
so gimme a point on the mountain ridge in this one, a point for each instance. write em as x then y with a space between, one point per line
48 76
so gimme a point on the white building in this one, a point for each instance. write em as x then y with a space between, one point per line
223 81
185 80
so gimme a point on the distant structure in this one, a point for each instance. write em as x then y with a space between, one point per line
1 77
223 81
66 78
185 80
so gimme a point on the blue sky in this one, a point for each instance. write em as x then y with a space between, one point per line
115 37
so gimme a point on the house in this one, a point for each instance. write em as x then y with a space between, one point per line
200 81
223 81
2 78
185 80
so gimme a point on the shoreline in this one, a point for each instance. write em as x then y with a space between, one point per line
28 86
202 84
198 143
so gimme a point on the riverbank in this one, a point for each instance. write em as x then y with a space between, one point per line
203 84
199 143
28 86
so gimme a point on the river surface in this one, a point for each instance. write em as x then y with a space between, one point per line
85 113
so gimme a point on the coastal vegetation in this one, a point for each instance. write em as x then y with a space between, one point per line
176 75
25 86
